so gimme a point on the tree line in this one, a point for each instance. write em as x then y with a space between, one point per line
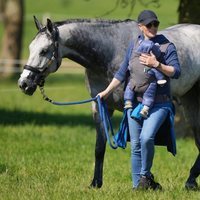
12 12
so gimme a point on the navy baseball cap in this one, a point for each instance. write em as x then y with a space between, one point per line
146 17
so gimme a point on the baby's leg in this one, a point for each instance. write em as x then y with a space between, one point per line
148 98
128 96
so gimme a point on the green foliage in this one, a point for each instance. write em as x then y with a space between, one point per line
47 151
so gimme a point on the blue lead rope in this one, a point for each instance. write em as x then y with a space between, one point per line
103 112
120 138
107 125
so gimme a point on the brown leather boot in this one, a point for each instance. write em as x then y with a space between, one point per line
148 183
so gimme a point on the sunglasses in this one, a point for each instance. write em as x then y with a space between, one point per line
154 23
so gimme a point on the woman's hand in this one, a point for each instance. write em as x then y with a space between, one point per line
111 87
149 60
103 94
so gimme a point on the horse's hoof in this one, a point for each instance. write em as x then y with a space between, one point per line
191 185
96 184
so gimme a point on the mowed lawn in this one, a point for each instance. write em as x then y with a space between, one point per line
47 151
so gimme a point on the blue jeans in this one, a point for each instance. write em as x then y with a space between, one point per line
142 134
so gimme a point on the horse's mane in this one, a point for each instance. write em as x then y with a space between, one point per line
99 21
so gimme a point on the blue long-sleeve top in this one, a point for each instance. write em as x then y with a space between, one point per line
170 58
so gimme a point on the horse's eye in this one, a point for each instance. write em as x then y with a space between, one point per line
43 52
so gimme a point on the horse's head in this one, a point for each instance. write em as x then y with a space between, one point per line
43 59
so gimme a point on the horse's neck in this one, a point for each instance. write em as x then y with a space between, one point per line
94 44
85 44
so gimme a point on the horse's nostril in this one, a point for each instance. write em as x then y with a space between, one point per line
24 85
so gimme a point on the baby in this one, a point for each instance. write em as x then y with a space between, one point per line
143 79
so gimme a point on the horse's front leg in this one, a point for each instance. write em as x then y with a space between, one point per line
99 149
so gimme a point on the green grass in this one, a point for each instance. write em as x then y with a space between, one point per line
47 151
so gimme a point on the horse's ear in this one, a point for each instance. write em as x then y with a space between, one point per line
49 25
37 23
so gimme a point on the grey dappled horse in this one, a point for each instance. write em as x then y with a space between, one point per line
99 46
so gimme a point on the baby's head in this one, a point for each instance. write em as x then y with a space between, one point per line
146 46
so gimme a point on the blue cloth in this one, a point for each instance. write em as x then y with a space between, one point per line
165 135
136 112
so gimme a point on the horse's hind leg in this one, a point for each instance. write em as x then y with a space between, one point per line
195 170
194 173
99 150
191 104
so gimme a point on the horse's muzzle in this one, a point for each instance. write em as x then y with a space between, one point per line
27 86
29 80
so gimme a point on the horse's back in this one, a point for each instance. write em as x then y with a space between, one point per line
182 33
186 39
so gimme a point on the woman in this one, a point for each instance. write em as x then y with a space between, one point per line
143 132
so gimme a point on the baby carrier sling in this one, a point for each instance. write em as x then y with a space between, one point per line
139 77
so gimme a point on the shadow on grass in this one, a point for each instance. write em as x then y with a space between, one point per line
19 117
3 168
